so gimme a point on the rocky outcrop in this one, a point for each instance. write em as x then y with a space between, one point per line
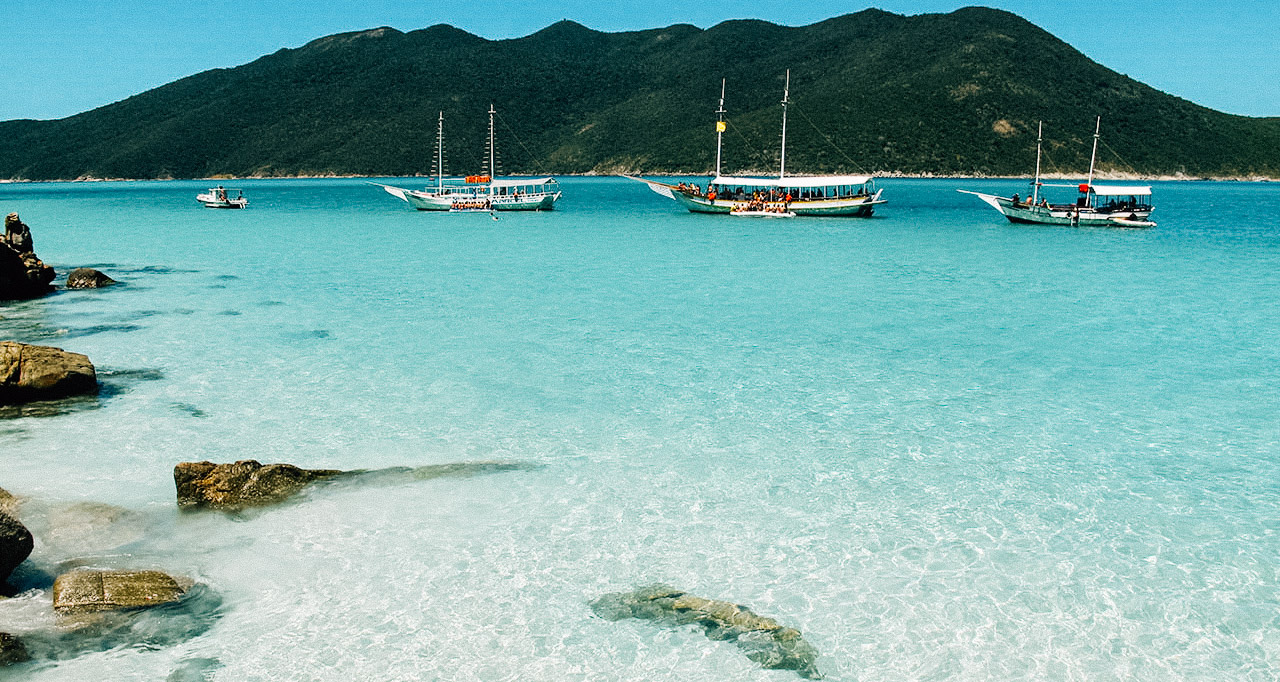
762 639
12 650
8 503
15 545
87 278
29 373
247 483
88 591
22 274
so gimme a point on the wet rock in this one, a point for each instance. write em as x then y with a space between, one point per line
762 639
29 373
12 650
8 503
88 591
15 545
87 278
241 485
247 483
22 274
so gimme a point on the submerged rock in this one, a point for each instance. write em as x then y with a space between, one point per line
22 274
762 639
87 278
29 373
12 650
244 484
88 591
248 483
15 545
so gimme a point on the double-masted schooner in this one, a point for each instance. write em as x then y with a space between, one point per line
815 195
1096 205
479 192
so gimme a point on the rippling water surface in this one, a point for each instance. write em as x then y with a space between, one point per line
941 446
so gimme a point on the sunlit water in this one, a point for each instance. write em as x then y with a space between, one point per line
942 446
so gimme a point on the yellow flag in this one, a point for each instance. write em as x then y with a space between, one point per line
720 126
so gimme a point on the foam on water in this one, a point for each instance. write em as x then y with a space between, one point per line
941 446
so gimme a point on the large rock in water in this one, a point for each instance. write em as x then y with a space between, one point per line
15 545
87 278
22 274
87 591
762 639
247 483
30 373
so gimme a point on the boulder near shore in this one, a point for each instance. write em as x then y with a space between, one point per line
246 483
16 544
88 278
22 274
29 373
87 591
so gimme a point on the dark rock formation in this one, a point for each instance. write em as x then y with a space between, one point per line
8 503
29 373
246 483
22 274
15 545
87 278
86 591
763 639
12 650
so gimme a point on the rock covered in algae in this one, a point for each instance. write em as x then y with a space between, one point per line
87 591
246 483
762 639
29 373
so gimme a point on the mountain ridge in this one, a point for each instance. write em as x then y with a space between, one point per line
942 94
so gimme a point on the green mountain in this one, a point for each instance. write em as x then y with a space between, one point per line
956 93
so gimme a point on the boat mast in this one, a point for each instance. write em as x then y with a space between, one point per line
1094 156
786 97
719 126
1035 186
440 153
493 171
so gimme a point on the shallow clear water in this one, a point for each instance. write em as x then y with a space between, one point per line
942 446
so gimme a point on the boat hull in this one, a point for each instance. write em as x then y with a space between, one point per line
1067 216
860 207
209 201
457 203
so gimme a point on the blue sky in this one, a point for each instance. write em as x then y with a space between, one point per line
61 57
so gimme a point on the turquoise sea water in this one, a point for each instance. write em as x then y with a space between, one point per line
942 446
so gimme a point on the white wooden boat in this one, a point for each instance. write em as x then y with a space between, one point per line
1095 205
219 197
816 195
478 193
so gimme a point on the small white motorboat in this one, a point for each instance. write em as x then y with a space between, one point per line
219 197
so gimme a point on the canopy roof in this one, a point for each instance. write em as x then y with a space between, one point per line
513 182
814 181
1121 191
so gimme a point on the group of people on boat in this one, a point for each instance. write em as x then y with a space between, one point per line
1018 203
472 205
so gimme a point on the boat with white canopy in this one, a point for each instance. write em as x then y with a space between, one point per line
816 195
219 197
1095 205
478 193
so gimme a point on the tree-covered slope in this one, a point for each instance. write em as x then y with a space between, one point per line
872 91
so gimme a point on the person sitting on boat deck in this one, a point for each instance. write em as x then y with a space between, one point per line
1016 200
1044 203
